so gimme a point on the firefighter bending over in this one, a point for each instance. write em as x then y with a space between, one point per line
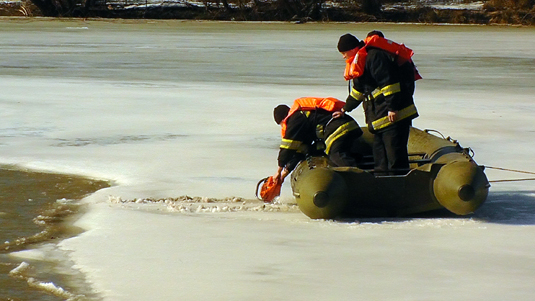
308 128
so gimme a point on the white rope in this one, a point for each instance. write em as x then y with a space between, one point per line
512 170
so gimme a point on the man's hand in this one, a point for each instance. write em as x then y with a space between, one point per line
392 116
280 175
338 114
284 174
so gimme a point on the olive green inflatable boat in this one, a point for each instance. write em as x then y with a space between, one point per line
442 175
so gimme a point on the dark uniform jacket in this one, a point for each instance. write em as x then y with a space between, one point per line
307 132
384 86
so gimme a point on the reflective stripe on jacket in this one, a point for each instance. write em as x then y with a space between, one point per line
295 145
383 122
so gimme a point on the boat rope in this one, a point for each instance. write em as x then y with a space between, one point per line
512 180
512 170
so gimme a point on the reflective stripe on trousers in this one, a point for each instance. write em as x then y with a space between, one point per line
340 131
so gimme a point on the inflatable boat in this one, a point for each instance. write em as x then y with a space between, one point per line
442 175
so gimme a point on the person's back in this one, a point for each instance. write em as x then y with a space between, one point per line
382 71
308 128
301 135
305 124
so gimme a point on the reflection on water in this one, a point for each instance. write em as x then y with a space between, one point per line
34 208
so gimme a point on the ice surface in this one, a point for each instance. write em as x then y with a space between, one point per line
167 108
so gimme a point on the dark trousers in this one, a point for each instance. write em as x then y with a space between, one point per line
342 151
390 149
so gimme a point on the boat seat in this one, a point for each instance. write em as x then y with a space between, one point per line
368 160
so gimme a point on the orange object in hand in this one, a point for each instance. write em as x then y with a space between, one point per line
270 190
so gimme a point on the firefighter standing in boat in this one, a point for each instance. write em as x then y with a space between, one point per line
383 76
309 128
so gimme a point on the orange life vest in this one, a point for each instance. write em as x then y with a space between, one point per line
355 65
330 104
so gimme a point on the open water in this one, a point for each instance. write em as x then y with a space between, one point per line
110 99
36 208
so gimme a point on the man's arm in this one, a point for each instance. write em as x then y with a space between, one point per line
385 72
355 97
353 100
292 147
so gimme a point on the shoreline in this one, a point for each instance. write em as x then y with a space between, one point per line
146 20
490 13
154 21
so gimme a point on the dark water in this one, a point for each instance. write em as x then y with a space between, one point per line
36 208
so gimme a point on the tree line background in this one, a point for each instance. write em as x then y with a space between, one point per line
493 11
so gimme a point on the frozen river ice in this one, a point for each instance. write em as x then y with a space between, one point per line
172 108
